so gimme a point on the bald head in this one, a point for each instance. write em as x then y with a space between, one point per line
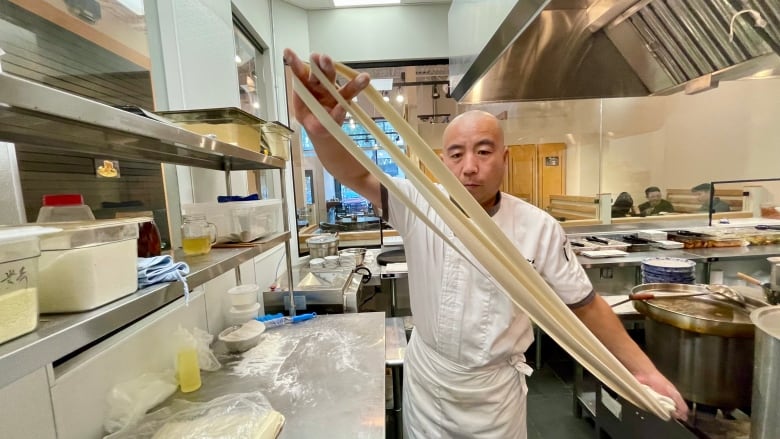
473 149
474 120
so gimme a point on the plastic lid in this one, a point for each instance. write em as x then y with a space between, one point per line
321 239
23 233
242 289
78 234
63 200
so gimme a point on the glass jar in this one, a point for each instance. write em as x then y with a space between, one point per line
197 235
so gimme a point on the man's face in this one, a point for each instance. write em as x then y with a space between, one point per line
473 149
702 196
654 198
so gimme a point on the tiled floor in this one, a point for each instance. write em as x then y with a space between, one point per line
550 414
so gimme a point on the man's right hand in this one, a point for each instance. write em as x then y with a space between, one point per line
345 168
351 89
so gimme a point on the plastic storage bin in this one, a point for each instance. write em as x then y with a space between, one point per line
64 207
229 125
19 255
87 264
240 221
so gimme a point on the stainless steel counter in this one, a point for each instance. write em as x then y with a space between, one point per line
326 376
700 254
633 259
60 334
723 253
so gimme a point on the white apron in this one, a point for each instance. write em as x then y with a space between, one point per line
464 370
445 400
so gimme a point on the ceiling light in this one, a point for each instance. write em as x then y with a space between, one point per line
435 94
399 97
385 97
256 104
238 59
348 3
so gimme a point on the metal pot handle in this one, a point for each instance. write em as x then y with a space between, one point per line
367 276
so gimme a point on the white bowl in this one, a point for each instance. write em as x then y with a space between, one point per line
241 338
242 296
239 316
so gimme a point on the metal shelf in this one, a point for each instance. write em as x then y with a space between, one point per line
53 119
59 335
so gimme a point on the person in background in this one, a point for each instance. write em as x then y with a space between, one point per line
655 204
702 192
464 367
623 206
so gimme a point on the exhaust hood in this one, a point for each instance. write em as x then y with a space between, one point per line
572 49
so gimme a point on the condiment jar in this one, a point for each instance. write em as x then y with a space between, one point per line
197 234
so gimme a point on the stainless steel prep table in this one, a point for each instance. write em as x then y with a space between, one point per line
326 376
635 259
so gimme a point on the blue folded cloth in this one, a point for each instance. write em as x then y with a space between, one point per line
159 269
229 198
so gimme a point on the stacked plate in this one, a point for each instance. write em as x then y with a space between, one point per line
668 270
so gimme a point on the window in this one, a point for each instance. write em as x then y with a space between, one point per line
334 190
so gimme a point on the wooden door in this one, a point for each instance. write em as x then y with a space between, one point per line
535 172
551 171
521 175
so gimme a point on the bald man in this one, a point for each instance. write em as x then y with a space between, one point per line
464 367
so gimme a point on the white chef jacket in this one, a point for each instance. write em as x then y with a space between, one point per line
464 367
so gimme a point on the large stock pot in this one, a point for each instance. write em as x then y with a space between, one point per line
703 344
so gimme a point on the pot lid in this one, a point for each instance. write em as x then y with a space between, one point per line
767 319
705 314
322 239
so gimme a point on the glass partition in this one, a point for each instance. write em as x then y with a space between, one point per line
629 145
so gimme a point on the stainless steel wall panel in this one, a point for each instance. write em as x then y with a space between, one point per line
702 38
673 24
676 54
702 10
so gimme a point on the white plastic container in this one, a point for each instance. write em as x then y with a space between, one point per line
240 221
19 255
243 296
87 264
239 316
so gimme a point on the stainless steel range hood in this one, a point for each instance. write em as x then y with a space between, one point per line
611 48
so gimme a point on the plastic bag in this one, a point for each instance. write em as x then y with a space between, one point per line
206 358
201 341
239 415
129 401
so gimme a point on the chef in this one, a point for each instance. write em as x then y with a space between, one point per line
465 367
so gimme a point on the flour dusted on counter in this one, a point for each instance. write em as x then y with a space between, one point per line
276 359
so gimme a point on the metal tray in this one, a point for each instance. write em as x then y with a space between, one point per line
213 115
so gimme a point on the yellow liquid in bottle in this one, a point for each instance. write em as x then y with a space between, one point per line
188 370
196 246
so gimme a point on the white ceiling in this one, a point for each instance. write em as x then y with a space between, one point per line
328 4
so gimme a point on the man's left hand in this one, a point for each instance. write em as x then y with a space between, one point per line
660 384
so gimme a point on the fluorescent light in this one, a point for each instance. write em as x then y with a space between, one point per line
348 3
135 6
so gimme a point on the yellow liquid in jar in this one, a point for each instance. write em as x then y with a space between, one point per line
196 246
188 370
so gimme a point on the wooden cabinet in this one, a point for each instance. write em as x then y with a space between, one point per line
534 172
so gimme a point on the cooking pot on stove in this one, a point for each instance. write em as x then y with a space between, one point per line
323 245
703 344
